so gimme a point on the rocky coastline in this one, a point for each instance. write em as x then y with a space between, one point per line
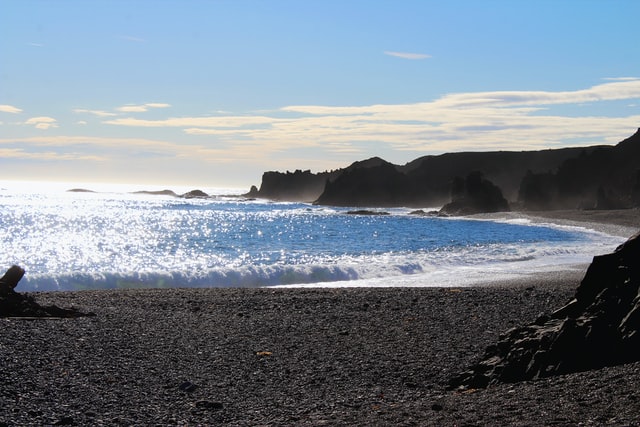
595 177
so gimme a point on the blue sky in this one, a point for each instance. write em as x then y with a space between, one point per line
214 93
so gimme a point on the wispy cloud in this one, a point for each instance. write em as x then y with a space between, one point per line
141 108
10 109
476 121
407 55
42 122
99 113
20 153
211 121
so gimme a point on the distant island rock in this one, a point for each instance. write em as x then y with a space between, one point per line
79 190
195 194
157 193
595 177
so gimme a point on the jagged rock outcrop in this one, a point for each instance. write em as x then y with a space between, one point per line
14 304
599 327
474 194
302 186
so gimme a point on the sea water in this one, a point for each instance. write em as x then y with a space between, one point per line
117 239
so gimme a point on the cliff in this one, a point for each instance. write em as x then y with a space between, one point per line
587 177
606 177
301 186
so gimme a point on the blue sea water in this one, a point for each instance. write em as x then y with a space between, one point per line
70 241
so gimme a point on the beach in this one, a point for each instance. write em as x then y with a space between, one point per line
342 356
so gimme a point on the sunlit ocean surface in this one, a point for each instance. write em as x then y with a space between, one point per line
71 241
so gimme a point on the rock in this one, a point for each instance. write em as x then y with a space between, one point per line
207 404
187 386
80 190
373 182
64 421
157 193
291 186
195 194
14 304
367 212
474 194
253 192
599 327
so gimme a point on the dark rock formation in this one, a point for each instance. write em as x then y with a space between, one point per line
367 212
603 177
157 192
302 186
474 195
80 190
599 327
13 304
564 178
538 191
253 192
374 182
195 194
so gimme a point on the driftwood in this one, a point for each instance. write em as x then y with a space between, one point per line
14 304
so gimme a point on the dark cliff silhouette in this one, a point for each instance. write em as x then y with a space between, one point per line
474 194
606 177
302 186
599 176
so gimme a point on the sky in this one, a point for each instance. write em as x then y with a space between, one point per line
215 92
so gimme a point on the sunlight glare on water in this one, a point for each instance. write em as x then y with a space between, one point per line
102 240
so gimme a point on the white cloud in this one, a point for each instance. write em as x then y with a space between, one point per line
476 121
407 55
157 105
42 122
142 107
620 79
99 113
211 121
9 109
19 153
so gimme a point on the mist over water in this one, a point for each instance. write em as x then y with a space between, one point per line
70 241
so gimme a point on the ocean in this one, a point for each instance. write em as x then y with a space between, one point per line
116 239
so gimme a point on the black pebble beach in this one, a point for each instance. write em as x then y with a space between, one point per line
291 357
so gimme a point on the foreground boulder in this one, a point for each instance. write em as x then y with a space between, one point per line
14 304
599 327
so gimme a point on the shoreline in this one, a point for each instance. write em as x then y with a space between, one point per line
301 356
622 222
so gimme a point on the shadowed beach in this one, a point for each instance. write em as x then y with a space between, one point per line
367 356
